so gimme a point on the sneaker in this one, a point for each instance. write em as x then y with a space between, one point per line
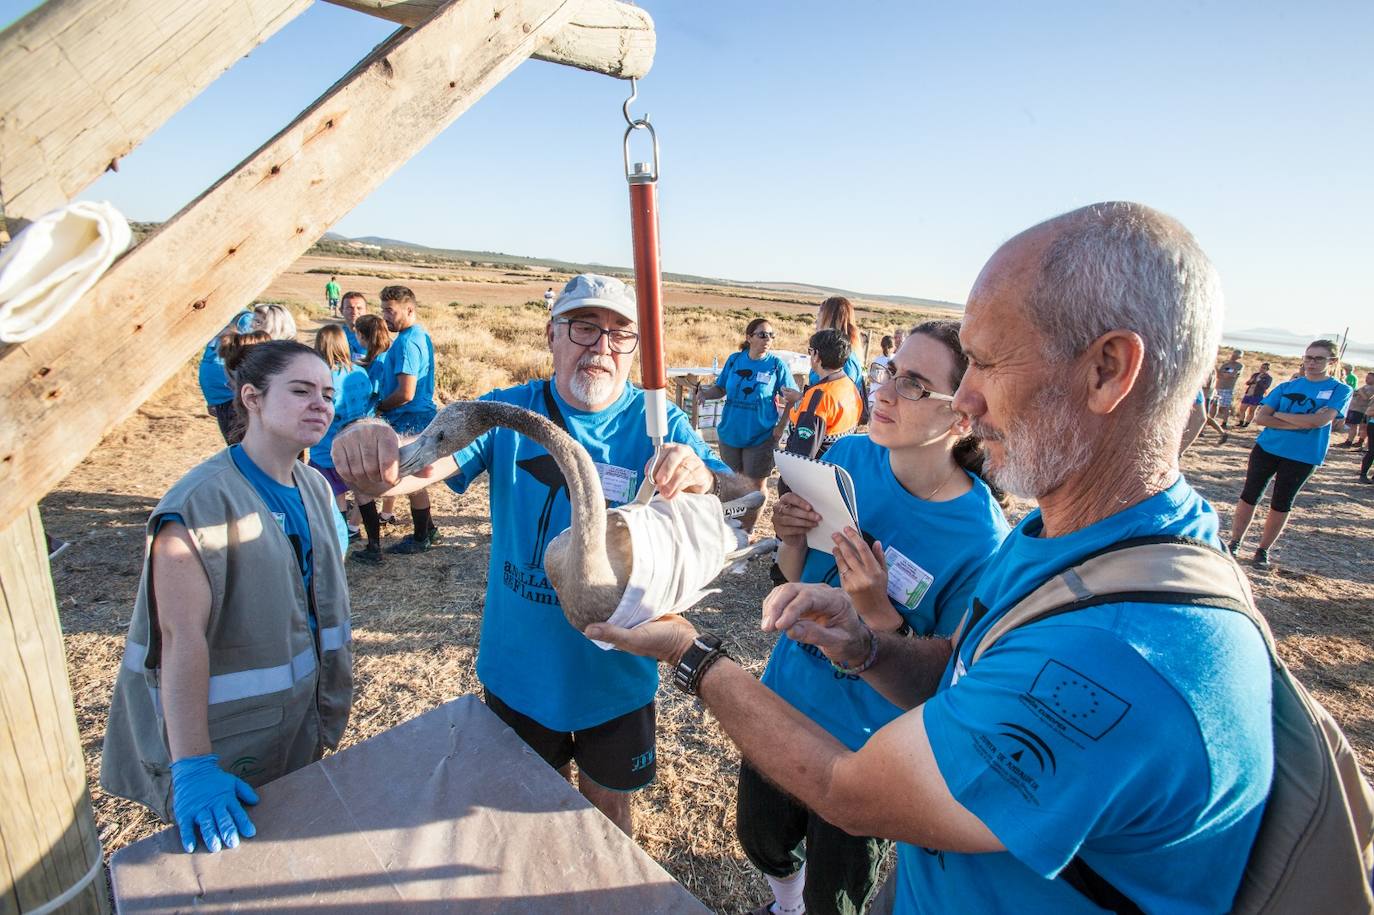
1364 479
56 547
410 545
369 555
386 518
1233 547
354 535
1261 560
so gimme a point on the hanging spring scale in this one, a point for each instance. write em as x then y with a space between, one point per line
642 178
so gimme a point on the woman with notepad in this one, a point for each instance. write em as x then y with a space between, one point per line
927 526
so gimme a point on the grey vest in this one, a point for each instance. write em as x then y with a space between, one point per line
279 693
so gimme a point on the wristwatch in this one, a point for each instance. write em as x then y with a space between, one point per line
705 650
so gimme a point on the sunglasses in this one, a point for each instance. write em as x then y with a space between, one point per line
764 334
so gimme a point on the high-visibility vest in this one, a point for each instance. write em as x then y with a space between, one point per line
279 690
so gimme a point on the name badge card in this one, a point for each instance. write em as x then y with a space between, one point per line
907 582
617 483
764 379
1323 395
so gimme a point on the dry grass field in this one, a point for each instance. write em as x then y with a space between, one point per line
416 618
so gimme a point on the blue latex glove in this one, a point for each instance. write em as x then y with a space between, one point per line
204 796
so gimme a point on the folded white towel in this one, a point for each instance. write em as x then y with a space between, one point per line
53 262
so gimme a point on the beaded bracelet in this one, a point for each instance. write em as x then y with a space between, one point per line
868 661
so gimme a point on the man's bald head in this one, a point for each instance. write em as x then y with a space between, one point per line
1122 266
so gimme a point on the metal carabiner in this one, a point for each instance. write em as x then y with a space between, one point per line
638 124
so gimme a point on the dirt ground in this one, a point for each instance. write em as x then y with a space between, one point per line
416 618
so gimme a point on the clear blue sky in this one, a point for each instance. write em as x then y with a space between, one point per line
881 147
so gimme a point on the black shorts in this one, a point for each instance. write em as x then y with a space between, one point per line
1288 475
618 754
1355 417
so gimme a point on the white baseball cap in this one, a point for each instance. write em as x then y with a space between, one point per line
592 290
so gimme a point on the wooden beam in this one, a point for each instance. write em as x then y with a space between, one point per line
65 389
604 36
48 840
82 82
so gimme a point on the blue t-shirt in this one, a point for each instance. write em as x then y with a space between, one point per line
1303 396
947 543
529 655
411 353
352 400
1138 736
214 380
749 414
356 351
853 369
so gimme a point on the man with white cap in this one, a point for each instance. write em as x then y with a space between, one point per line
567 698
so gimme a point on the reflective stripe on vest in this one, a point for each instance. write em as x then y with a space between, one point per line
245 684
332 638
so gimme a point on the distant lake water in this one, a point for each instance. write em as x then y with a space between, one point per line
1359 355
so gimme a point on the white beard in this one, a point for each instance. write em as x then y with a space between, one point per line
593 388
1041 449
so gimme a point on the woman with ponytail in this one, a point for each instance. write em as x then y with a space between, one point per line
928 525
237 667
231 349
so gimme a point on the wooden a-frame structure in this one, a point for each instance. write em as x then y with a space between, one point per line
83 82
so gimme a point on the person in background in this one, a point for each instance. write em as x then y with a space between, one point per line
214 381
1357 418
1297 416
837 404
549 297
1255 388
331 295
274 320
1227 375
351 308
933 525
243 575
879 363
352 401
751 381
406 398
837 313
376 340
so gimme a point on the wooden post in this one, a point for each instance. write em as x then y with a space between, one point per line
159 303
48 841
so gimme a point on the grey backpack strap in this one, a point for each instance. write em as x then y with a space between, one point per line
1176 570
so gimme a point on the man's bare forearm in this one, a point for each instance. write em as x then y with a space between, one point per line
786 746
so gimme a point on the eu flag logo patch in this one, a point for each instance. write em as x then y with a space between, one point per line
1079 701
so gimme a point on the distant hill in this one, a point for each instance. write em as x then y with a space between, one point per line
383 248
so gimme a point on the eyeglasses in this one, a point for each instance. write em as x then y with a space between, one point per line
1318 358
764 334
907 388
585 333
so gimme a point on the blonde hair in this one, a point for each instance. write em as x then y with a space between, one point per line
276 321
332 345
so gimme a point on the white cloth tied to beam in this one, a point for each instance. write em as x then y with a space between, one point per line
48 266
679 545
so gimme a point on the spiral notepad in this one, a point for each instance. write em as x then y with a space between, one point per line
830 490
